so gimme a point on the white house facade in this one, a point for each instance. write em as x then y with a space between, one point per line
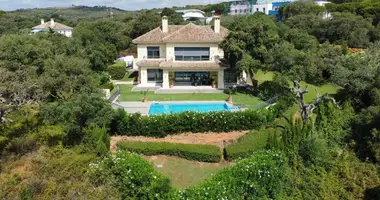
183 55
57 27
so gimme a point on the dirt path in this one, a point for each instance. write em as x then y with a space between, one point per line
218 139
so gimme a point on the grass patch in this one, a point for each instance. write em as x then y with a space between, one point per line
185 173
127 77
246 145
239 98
203 153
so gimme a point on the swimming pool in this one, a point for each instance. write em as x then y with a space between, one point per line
167 108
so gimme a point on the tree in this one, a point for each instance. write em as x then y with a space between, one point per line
300 8
75 114
307 109
248 44
144 23
64 76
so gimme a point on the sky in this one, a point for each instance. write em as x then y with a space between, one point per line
9 5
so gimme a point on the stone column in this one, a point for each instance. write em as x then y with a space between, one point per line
221 79
165 78
143 76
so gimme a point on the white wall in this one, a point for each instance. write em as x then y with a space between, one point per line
239 9
261 7
214 49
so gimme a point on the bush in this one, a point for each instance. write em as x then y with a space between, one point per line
134 177
117 71
50 135
203 153
109 86
247 145
163 125
3 142
262 176
97 140
21 145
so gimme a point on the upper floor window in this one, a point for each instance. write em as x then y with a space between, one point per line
153 52
192 53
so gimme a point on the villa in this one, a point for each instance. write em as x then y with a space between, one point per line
183 55
55 26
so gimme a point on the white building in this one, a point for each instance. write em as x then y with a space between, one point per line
57 27
177 55
192 14
239 8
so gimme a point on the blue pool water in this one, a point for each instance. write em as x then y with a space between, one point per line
166 108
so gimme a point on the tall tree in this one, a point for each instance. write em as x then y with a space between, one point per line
248 44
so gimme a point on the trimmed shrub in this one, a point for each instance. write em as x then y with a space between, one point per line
203 153
163 125
117 71
247 145
262 176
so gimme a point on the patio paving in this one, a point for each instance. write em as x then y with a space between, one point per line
133 106
189 89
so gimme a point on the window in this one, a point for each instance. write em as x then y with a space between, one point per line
235 10
263 10
153 52
230 76
192 53
257 9
241 10
154 75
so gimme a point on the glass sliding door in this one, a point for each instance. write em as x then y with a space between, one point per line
154 75
198 78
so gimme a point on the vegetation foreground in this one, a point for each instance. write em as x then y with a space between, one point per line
55 125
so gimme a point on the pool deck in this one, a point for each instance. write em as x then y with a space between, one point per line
143 108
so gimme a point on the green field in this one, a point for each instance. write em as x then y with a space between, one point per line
185 173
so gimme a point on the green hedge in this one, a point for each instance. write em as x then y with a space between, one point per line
117 71
247 145
264 175
203 153
163 125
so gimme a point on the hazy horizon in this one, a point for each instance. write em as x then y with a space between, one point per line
9 5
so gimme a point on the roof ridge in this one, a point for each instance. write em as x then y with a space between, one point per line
159 27
176 31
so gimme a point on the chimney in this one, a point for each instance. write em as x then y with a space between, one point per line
42 21
165 25
52 23
217 24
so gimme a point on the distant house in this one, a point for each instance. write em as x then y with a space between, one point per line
57 27
191 14
239 8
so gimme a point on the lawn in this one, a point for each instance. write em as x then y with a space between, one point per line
184 173
239 98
